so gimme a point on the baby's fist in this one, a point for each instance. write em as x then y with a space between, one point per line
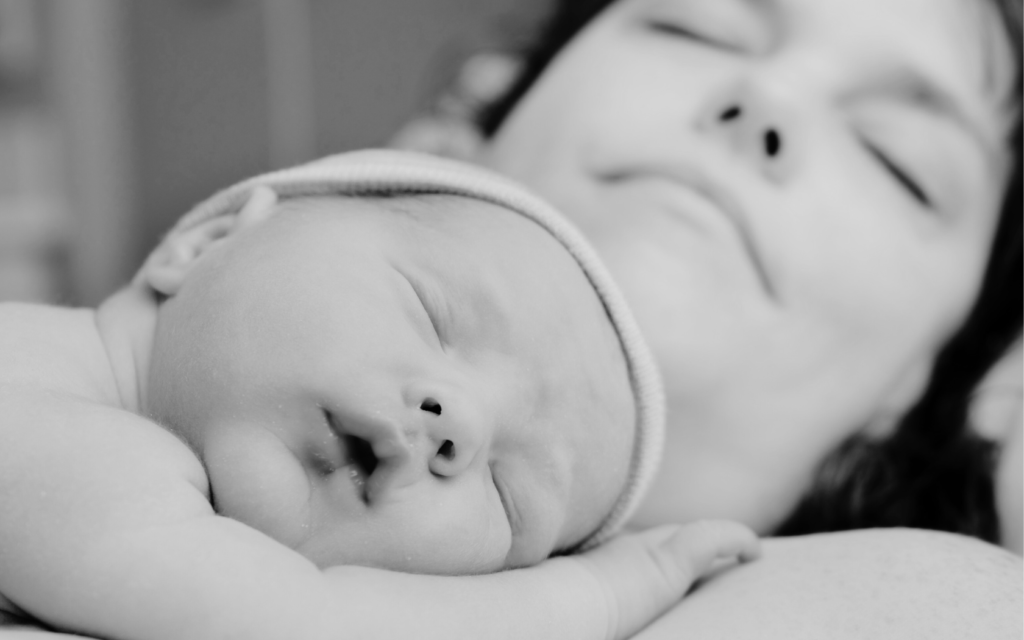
644 574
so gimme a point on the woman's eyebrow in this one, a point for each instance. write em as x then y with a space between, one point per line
917 87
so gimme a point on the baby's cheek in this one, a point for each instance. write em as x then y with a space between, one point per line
256 479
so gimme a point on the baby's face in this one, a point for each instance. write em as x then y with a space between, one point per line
426 384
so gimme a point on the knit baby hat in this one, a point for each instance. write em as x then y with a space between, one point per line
379 172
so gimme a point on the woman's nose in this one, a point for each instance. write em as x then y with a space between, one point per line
757 126
454 432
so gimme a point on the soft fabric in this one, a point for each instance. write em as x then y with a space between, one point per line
393 172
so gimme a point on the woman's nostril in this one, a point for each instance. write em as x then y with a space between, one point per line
431 405
447 450
772 143
730 114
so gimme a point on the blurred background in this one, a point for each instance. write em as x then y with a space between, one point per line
117 115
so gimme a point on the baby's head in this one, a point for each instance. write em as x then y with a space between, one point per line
391 360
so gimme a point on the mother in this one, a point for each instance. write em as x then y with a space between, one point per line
816 215
814 207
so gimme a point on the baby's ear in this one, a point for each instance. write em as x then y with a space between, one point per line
170 263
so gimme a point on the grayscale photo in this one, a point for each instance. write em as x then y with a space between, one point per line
511 320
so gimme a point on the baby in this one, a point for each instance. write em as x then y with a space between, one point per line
325 383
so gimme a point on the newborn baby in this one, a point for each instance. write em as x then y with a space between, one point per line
375 361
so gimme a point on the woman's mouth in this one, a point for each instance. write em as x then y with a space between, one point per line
702 186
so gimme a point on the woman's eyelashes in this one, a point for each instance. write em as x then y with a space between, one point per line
678 29
900 175
691 31
715 23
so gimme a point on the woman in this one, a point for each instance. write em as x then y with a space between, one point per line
803 202
816 215
815 210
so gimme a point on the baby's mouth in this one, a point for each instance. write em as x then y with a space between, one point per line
359 460
360 463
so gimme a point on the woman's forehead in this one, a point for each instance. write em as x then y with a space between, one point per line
956 56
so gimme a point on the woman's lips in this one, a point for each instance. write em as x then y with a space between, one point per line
700 183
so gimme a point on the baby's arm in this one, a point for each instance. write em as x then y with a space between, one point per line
107 531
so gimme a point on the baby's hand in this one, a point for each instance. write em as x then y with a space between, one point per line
644 574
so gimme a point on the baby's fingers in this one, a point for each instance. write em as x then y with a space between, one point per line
703 545
646 573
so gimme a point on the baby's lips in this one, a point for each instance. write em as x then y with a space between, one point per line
385 454
386 438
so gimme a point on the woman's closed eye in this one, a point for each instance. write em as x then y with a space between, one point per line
679 29
898 173
721 24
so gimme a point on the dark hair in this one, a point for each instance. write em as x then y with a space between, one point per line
933 472
566 19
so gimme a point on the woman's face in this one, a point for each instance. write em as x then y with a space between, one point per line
798 197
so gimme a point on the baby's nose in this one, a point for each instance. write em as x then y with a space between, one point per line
441 433
454 434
